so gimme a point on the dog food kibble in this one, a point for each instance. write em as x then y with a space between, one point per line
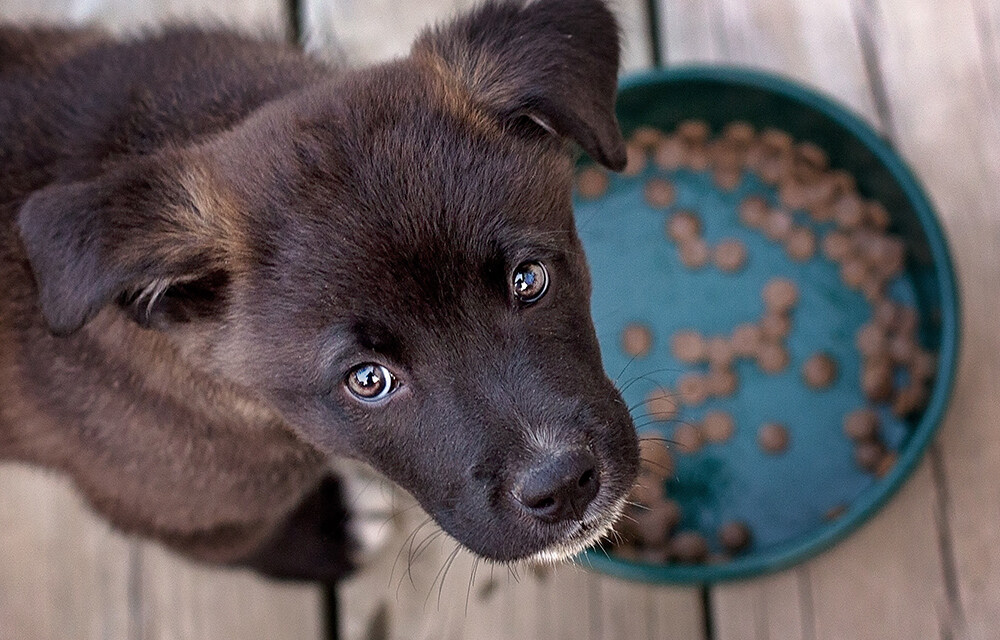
910 399
877 216
739 132
753 212
592 183
853 273
694 131
871 340
772 357
775 326
659 193
730 255
656 457
746 340
693 389
654 524
637 339
669 153
683 226
688 438
635 160
886 464
722 383
906 320
695 253
688 547
861 424
848 211
727 179
801 244
688 346
719 351
902 348
773 438
868 453
885 314
836 246
734 536
717 426
646 137
778 225
876 380
661 404
780 295
820 371
924 365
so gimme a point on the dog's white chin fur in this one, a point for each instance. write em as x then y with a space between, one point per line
561 551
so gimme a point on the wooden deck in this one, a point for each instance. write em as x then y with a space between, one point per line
925 73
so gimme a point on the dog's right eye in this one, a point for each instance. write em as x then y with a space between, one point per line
529 282
371 382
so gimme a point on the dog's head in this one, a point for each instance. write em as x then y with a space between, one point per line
390 259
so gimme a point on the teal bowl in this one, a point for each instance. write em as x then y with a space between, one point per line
638 278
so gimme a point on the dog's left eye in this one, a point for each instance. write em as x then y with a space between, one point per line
530 281
371 382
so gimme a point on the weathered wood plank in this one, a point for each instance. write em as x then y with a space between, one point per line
940 70
840 594
269 17
367 31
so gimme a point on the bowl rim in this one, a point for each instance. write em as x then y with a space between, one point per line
862 509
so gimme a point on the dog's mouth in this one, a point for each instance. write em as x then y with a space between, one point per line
582 535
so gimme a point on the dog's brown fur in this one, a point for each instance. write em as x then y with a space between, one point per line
140 185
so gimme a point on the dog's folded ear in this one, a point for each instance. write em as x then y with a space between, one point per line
129 236
553 61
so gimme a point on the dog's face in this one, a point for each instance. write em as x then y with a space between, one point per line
391 260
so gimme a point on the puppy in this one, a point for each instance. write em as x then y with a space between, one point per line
225 263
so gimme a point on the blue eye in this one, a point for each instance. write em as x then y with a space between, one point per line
530 281
371 382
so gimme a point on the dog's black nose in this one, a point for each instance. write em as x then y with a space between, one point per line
561 486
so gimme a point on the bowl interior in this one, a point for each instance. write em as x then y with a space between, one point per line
638 278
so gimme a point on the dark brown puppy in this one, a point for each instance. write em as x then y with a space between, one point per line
224 263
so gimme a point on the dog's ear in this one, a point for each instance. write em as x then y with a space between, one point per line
553 61
132 235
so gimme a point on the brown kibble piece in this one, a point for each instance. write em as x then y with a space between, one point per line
886 312
683 226
637 339
727 179
717 426
688 438
834 512
694 131
722 383
813 155
848 211
734 536
592 183
635 160
669 153
775 327
696 157
867 454
861 424
688 547
910 399
753 212
902 348
688 347
801 244
656 458
820 371
654 524
659 193
719 353
836 246
694 253
793 195
924 365
776 139
778 225
886 464
692 389
853 273
773 438
746 339
662 404
877 216
876 380
739 131
773 358
871 340
730 255
780 295
906 321
646 137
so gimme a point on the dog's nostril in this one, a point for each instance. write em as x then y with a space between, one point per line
560 486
